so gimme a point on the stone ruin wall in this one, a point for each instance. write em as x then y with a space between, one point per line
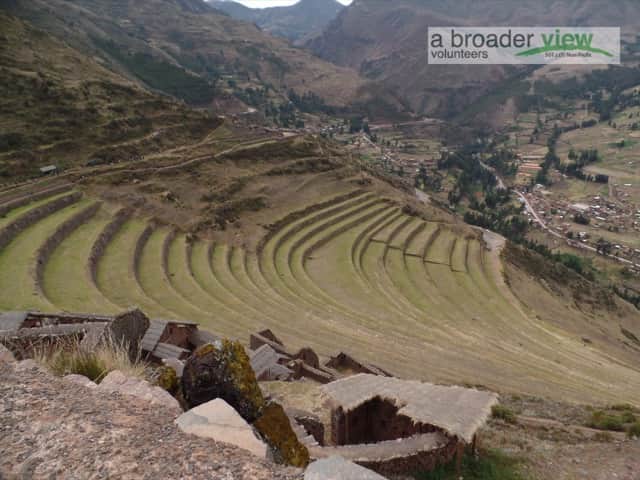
374 421
106 236
137 254
34 197
377 421
425 461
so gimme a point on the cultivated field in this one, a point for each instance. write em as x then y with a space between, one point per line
424 299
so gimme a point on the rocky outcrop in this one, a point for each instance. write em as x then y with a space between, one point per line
51 428
117 381
222 370
274 425
337 468
219 421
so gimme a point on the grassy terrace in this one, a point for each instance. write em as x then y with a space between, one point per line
66 277
185 284
115 273
155 282
17 262
16 212
422 299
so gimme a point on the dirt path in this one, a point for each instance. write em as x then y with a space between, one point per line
554 451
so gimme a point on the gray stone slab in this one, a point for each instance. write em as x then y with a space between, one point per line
337 468
219 421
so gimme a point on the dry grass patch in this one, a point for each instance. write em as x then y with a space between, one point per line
70 358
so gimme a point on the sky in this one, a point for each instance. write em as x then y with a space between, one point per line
275 3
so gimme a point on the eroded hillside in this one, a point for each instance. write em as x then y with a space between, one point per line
386 42
61 107
187 49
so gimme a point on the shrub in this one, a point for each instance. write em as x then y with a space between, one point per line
628 417
620 407
68 357
491 465
633 431
503 413
603 421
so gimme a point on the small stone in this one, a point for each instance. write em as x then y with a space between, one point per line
5 355
80 380
337 468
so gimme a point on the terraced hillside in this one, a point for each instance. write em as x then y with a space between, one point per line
422 299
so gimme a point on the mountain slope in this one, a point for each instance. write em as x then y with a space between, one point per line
296 22
82 110
385 41
186 48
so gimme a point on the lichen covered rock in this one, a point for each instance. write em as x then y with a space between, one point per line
167 379
275 428
222 370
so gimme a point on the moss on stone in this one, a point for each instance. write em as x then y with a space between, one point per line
223 370
243 375
204 350
168 379
274 425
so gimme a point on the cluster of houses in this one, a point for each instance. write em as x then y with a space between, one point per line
598 214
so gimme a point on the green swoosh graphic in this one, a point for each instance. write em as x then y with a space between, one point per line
538 50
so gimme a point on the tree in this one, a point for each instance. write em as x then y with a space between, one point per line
581 219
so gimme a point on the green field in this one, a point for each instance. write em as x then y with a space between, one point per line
423 299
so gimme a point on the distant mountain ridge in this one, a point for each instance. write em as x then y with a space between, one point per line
386 42
296 22
189 50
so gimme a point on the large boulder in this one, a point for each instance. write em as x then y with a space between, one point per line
337 468
117 381
222 370
219 421
126 329
274 425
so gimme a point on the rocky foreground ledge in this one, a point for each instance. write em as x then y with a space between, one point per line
52 428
